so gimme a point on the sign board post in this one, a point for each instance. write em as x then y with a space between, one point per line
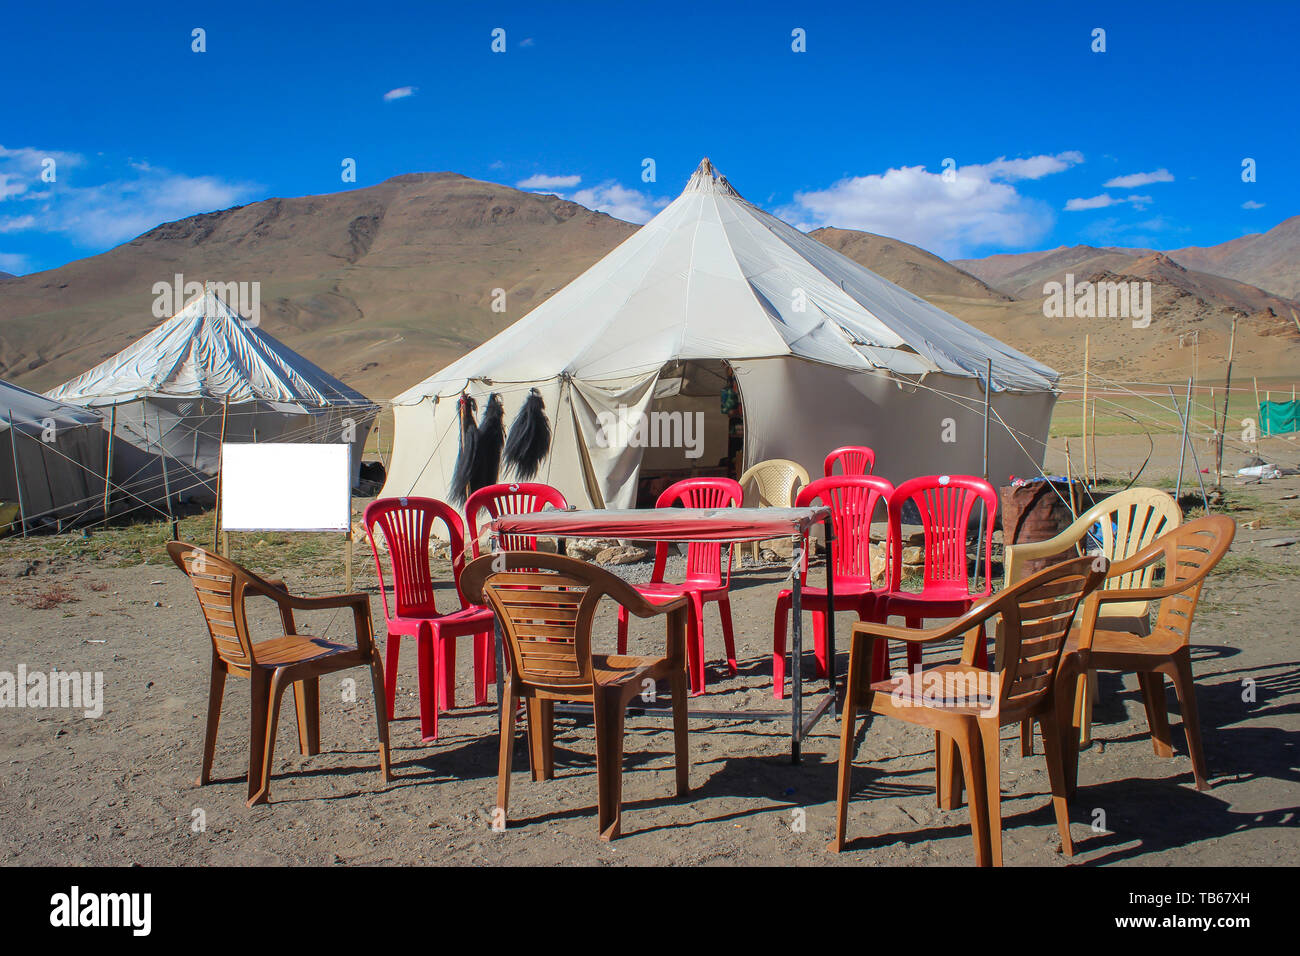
287 486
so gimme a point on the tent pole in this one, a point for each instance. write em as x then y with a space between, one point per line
108 459
18 481
216 512
988 397
167 488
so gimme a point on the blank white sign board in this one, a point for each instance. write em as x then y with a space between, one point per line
286 487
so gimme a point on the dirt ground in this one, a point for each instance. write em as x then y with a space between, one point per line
120 789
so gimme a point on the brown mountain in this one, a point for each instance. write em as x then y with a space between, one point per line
1270 260
381 285
911 267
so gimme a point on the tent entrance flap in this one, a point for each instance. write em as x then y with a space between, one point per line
693 427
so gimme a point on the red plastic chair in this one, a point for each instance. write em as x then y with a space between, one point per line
853 459
704 578
407 524
853 500
946 504
514 499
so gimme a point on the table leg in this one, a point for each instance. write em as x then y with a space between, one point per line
830 615
796 660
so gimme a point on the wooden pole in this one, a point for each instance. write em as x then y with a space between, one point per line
1214 407
1182 445
1094 442
1227 393
1069 480
108 462
1083 420
216 514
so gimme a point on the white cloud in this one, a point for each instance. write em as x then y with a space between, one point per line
17 223
1133 180
1251 204
1035 167
401 93
1104 200
542 181
952 217
1149 233
618 201
22 168
106 213
12 262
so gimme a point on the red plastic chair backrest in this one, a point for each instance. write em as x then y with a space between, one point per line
853 500
407 526
703 558
853 459
946 504
519 498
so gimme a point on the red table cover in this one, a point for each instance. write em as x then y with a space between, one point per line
665 524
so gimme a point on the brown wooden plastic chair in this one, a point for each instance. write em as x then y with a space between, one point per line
1130 520
546 616
966 705
1189 554
298 659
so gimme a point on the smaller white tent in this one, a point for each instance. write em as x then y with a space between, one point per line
51 457
165 397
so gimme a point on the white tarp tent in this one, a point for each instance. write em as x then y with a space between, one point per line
825 353
171 388
51 457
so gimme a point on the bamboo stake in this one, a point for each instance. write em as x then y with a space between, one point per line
1259 411
216 514
1227 394
1182 445
1069 480
1214 407
1094 442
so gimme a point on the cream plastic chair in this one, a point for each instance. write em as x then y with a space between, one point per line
777 482
1130 520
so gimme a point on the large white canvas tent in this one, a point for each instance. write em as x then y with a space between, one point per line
825 353
51 458
165 397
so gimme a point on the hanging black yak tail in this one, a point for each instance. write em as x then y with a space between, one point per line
530 438
468 451
491 438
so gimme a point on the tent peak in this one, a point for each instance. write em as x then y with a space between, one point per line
707 179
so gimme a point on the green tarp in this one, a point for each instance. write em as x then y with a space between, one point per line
1279 418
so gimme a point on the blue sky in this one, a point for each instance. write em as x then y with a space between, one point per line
1053 144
